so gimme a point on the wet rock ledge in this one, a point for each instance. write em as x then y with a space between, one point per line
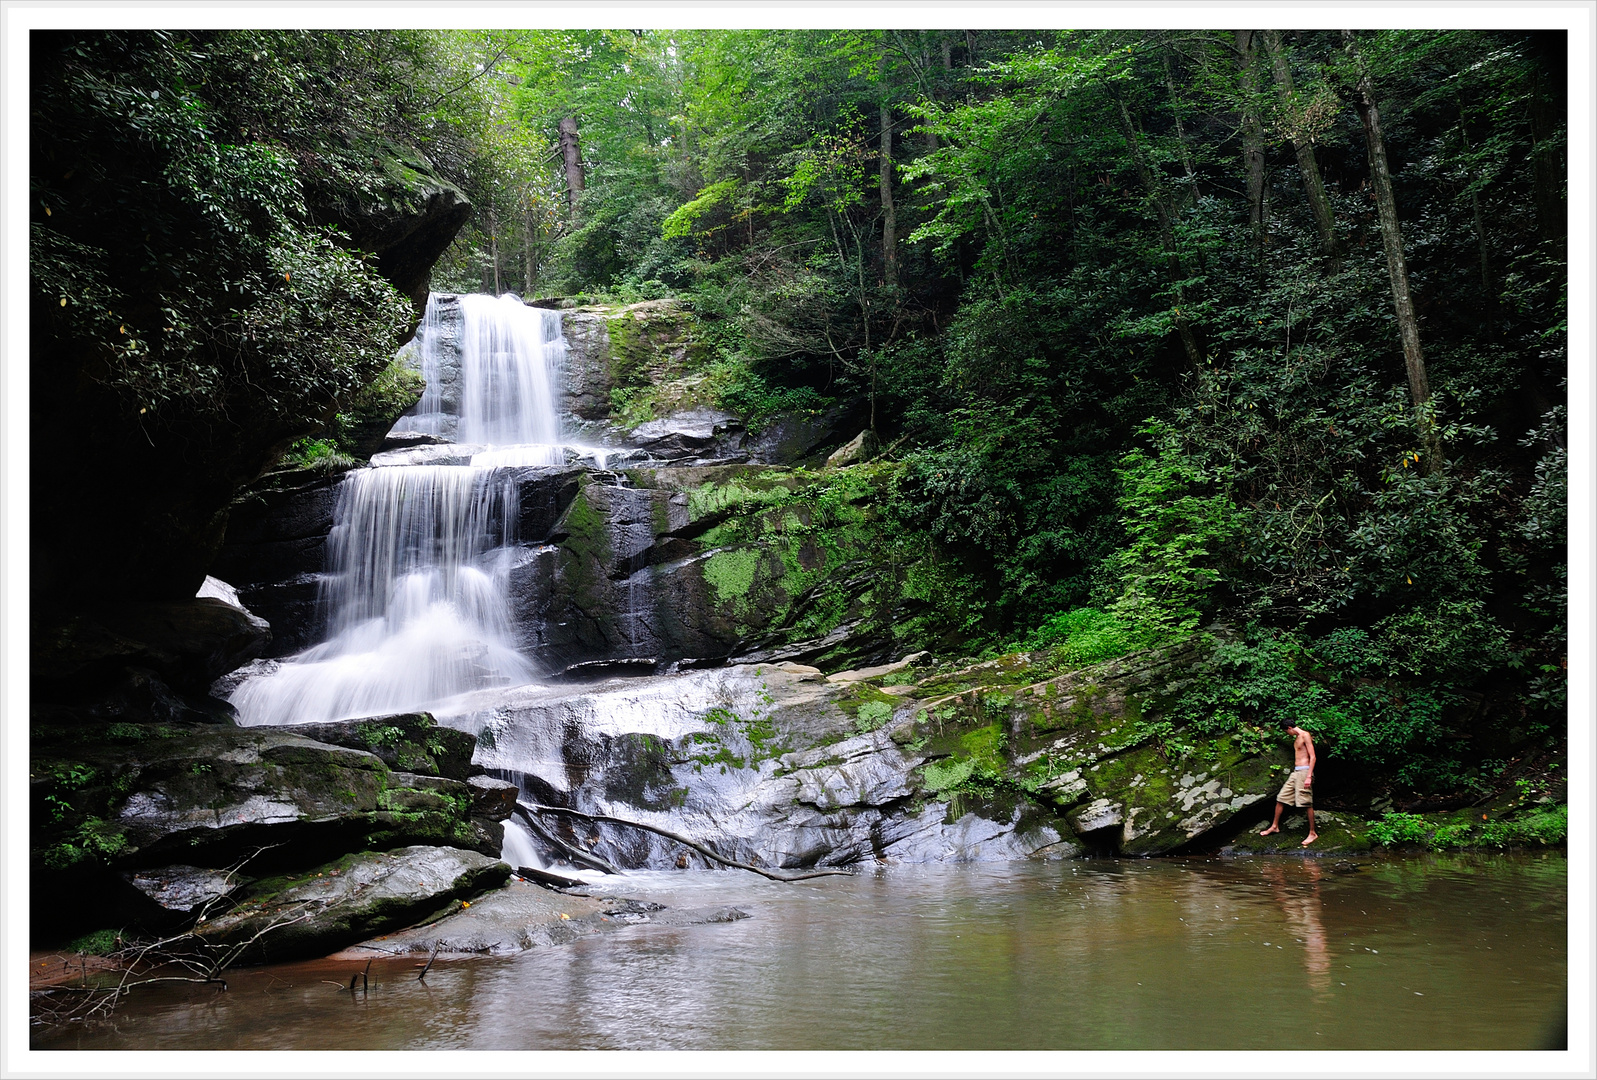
284 841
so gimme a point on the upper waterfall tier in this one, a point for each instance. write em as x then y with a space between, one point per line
492 366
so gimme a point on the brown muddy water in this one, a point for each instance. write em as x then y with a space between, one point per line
1444 952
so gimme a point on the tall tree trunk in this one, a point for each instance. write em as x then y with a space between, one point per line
531 259
493 249
1408 327
1549 66
1181 134
1252 140
571 150
1167 232
1313 186
889 219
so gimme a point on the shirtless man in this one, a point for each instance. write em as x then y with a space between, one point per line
1295 792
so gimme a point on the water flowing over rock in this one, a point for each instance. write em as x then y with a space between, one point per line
490 365
462 573
415 599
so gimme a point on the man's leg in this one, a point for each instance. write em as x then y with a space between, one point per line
1275 826
1313 836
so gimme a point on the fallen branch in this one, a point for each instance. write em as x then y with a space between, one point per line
694 844
575 853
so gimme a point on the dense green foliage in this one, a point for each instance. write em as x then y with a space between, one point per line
184 197
1128 397
1133 380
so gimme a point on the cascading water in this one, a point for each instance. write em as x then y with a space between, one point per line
419 554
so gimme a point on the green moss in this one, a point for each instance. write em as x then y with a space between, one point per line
872 715
630 350
99 943
731 573
985 746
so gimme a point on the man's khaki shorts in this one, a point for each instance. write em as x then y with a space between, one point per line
1293 792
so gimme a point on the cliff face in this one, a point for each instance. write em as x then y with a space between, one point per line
124 511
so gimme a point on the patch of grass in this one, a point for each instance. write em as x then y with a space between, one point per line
99 943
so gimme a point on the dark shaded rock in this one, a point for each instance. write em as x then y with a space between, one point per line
793 438
147 506
312 913
407 224
276 551
487 837
134 797
405 440
186 643
172 896
586 380
543 494
412 742
608 669
491 798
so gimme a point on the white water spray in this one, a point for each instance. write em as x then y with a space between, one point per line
418 559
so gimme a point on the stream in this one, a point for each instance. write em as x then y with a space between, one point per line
1443 952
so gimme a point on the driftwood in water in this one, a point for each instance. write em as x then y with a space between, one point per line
679 838
430 958
544 877
575 853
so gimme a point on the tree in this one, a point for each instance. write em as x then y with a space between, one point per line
1300 122
1408 328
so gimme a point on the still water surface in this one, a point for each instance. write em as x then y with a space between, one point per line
1447 952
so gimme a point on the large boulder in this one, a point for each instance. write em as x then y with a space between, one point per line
406 221
774 765
1095 745
764 764
315 912
186 643
116 798
276 552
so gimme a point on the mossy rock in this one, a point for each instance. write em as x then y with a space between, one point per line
315 912
1340 833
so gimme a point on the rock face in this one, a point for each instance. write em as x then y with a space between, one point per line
688 563
169 809
407 225
187 643
772 766
122 513
315 912
276 552
784 782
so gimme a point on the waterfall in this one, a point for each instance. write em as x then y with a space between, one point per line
419 555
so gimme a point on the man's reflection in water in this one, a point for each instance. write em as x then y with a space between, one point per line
1298 892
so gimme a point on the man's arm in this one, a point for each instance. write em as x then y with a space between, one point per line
1308 781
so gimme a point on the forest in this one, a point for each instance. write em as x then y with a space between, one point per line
1155 334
